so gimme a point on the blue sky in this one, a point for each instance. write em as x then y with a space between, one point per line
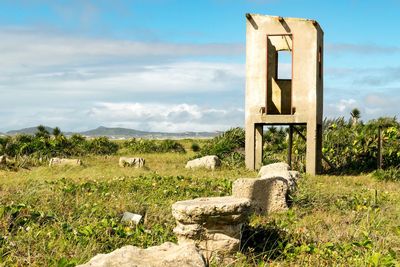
178 65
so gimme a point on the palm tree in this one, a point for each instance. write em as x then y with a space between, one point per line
56 132
42 132
355 115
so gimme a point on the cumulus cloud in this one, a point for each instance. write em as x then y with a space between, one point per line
166 117
38 62
69 74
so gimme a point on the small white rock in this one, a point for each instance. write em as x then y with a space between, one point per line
131 217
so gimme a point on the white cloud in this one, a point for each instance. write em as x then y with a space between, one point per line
345 104
27 50
166 117
53 78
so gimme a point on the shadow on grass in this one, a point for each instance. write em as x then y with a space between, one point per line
264 242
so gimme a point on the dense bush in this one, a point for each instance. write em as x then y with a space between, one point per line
102 146
152 146
225 144
195 147
390 174
44 145
354 147
348 145
229 147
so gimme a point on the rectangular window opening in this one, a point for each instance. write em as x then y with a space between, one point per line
284 68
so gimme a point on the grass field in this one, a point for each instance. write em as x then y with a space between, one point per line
63 216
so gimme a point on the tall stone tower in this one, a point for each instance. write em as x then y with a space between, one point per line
282 92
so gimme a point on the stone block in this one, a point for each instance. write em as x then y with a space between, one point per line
209 162
277 192
272 168
253 189
63 162
212 209
131 162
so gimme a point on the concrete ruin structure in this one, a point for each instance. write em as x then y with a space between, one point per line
284 93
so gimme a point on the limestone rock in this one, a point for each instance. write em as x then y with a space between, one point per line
281 170
190 231
131 162
218 209
165 255
62 162
291 178
199 232
274 167
253 189
214 244
277 193
208 162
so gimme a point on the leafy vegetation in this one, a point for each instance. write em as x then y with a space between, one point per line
229 147
152 146
350 147
390 174
64 216
42 145
354 148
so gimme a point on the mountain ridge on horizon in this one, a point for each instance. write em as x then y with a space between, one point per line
117 132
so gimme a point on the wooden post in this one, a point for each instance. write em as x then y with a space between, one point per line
290 145
379 156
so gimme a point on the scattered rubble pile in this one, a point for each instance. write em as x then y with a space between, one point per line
210 228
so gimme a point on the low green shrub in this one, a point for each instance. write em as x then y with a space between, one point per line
390 174
32 150
152 146
102 146
229 147
195 147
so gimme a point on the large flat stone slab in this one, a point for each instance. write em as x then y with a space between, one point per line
212 209
165 255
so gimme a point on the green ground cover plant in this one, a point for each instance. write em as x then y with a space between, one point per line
63 216
135 145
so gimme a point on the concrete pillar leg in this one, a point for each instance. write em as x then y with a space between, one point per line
319 149
250 146
253 146
258 145
290 146
314 145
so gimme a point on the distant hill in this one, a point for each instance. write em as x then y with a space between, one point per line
105 131
121 133
30 130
